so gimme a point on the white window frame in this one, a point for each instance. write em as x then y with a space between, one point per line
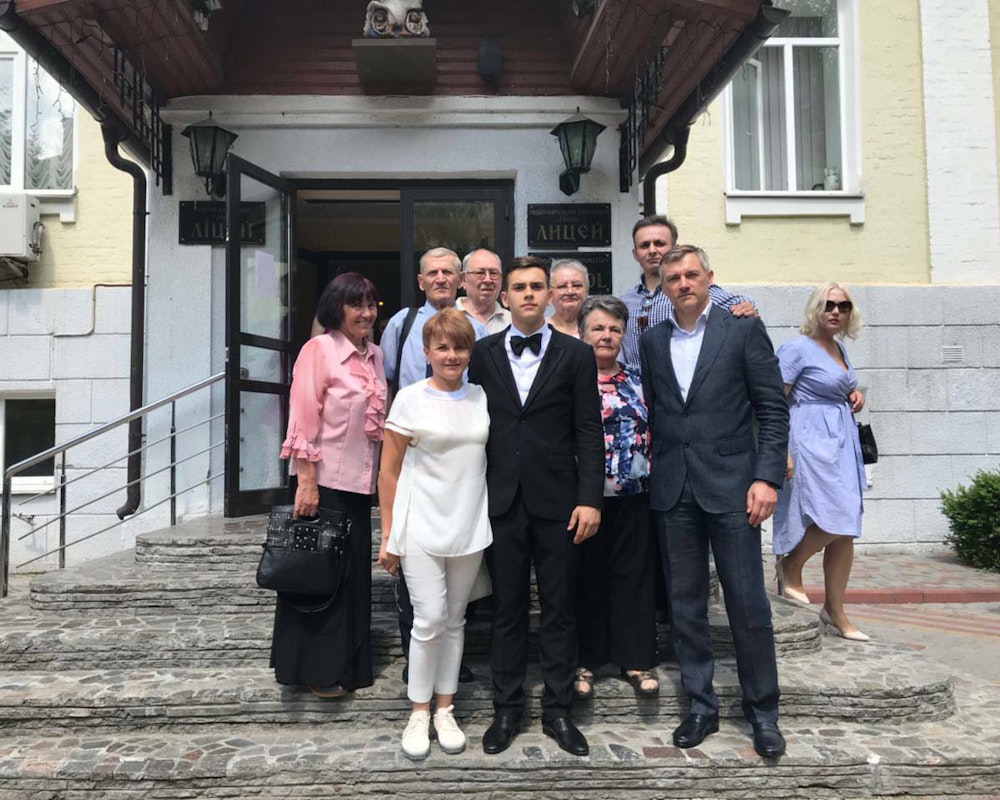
848 201
50 201
26 484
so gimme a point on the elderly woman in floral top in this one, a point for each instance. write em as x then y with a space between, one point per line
615 604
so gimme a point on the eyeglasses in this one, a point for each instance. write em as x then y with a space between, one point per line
480 274
642 318
843 307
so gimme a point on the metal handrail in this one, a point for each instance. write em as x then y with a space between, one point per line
60 450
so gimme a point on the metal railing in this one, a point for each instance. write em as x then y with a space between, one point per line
60 451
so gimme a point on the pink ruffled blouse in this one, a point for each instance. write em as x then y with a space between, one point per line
337 412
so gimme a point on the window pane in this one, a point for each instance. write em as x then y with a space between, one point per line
811 18
747 133
29 428
818 161
773 119
6 112
459 225
48 133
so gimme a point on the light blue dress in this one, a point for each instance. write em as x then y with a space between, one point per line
829 475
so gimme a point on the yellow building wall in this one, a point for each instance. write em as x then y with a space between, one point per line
892 245
97 247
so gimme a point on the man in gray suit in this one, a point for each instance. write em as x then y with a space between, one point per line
706 376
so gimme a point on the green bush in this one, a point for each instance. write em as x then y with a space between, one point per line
974 518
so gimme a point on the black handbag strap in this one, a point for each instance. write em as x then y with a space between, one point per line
411 315
342 575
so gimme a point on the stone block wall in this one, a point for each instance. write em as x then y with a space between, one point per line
71 345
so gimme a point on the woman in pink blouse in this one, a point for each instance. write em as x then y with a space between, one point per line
335 422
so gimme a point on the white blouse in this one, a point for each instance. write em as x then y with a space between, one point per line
441 492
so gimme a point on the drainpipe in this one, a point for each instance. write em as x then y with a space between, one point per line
678 128
114 134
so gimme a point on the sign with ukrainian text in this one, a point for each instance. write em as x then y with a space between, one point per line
552 225
204 222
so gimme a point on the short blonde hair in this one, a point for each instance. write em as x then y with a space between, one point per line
450 324
812 321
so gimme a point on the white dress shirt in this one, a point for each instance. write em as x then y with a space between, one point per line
685 347
525 366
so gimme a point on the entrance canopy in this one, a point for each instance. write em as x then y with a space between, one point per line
134 56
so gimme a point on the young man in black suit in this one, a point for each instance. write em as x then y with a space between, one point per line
545 473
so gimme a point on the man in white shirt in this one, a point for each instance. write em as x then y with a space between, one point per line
481 271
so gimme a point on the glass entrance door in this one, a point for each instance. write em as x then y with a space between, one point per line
461 218
259 336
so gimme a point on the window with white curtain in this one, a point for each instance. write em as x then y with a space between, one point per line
790 111
36 126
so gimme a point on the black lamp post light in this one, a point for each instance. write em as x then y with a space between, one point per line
209 147
577 140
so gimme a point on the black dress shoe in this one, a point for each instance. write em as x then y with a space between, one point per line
767 740
465 675
567 735
692 731
500 734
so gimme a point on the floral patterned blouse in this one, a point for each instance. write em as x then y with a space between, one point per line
626 433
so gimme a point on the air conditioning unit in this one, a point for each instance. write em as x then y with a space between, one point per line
20 227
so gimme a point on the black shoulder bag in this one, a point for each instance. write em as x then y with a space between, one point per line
306 556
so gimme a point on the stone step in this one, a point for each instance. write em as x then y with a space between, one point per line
118 582
842 683
33 641
214 543
825 760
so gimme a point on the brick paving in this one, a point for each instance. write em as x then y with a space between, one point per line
900 578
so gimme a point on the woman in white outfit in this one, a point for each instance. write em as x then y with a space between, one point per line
432 494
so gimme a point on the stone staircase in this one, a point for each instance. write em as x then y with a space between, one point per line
146 675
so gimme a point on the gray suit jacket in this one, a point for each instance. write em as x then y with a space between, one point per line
709 439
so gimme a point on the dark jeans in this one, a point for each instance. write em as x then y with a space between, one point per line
685 532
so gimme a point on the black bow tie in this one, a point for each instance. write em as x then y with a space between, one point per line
533 343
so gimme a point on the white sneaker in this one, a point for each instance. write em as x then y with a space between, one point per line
449 735
416 736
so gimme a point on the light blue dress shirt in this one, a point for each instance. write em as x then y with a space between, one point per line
685 347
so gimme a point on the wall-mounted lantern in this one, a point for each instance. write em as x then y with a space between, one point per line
577 140
209 147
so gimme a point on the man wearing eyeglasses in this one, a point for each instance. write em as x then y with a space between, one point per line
481 281
652 238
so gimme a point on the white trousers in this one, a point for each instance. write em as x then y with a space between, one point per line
439 590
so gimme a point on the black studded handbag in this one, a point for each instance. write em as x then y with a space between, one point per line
306 556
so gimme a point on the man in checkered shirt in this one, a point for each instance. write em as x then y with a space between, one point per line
647 305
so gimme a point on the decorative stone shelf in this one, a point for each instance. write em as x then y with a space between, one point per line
396 66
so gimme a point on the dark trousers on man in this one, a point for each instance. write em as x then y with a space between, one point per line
518 540
685 532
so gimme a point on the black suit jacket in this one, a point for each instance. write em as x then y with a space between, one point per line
709 439
553 446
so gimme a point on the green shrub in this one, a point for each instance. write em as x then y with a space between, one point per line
974 518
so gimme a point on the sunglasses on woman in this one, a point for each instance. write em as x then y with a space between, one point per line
843 307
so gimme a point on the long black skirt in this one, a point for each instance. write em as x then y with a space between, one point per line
331 646
615 594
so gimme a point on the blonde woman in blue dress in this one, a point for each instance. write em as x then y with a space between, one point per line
820 507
